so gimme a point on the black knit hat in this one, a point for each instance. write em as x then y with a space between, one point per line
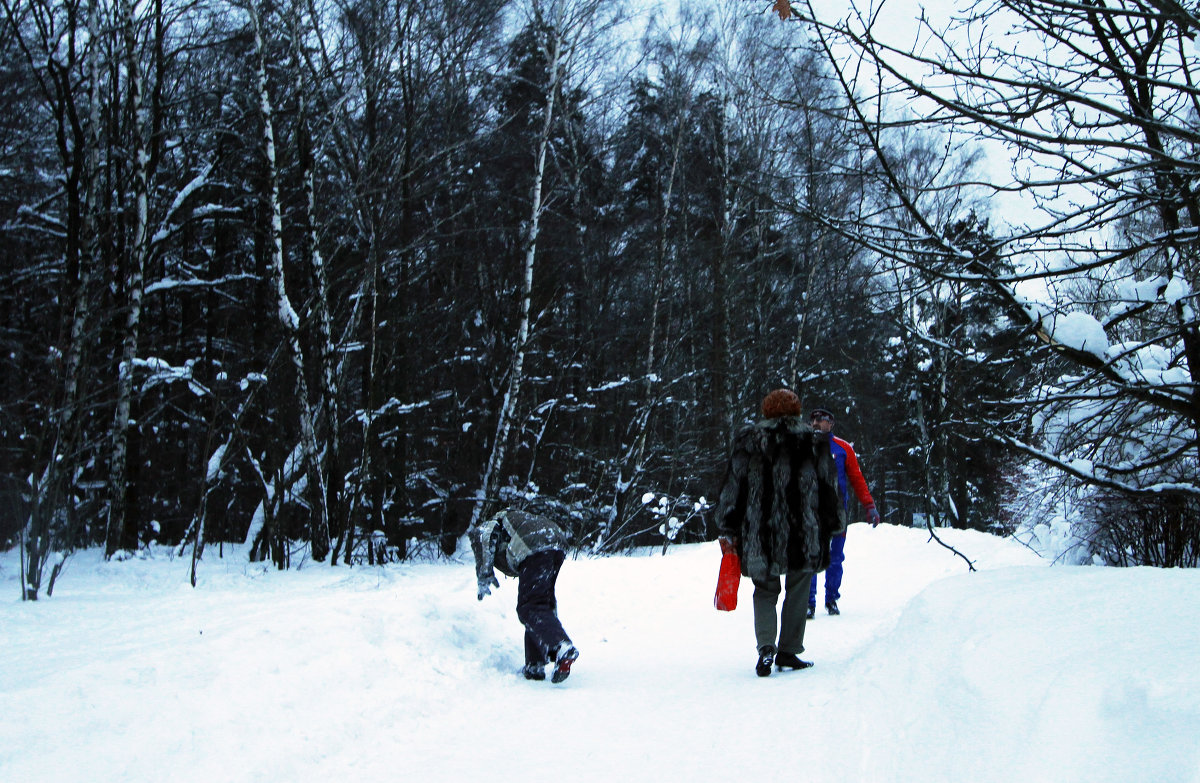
822 412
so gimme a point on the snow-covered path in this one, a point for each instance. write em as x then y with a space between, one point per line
1018 672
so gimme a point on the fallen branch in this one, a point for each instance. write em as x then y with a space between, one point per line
933 535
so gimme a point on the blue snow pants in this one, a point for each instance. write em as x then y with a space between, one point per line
537 606
833 574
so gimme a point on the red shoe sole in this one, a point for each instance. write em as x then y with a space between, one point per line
563 670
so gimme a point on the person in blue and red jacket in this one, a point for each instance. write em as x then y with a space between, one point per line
849 474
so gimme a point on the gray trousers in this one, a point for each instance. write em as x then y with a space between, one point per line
790 623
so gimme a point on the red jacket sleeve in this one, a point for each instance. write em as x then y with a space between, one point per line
855 478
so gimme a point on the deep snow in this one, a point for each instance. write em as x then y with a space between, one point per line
1019 672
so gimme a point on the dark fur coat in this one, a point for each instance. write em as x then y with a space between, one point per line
780 498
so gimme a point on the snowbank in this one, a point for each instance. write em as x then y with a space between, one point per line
1017 672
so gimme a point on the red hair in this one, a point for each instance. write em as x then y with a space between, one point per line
781 402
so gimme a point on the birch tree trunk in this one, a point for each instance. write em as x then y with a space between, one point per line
289 320
371 491
631 465
721 366
120 534
372 519
58 454
328 396
516 377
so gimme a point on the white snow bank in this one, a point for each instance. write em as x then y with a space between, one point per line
1018 672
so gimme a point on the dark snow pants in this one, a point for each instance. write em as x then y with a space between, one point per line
537 607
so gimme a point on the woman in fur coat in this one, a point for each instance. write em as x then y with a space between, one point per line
779 507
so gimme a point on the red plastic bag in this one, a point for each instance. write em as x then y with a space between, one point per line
728 580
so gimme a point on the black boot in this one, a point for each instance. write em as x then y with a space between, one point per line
831 607
787 660
766 660
534 671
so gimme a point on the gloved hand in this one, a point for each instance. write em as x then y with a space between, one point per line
873 516
486 584
727 544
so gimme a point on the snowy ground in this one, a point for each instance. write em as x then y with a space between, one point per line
1020 672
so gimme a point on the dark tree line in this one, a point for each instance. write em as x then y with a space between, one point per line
332 278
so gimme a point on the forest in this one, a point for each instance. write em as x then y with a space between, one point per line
335 278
